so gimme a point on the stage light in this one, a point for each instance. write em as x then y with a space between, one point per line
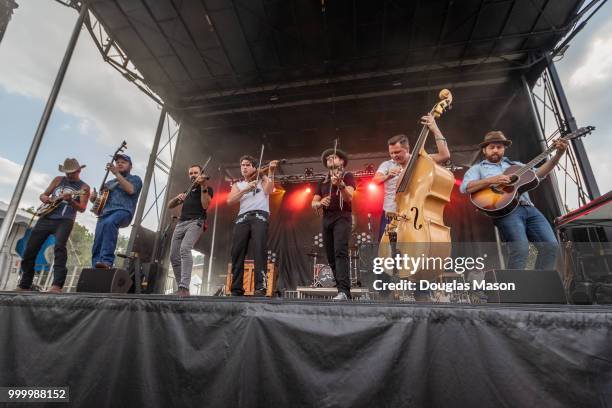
371 186
308 190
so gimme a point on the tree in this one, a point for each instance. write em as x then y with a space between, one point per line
79 247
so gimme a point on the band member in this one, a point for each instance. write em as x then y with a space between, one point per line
58 222
118 211
194 202
399 150
526 223
336 207
251 225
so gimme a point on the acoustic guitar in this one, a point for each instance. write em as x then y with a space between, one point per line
102 197
52 204
501 199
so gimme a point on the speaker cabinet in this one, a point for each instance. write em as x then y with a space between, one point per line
532 286
113 280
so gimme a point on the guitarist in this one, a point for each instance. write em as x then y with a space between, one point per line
118 211
194 202
526 223
337 218
58 222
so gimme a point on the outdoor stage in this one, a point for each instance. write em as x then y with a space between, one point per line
160 351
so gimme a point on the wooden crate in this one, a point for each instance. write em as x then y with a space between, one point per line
249 279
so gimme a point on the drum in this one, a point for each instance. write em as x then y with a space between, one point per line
325 276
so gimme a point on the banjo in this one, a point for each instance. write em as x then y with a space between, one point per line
102 198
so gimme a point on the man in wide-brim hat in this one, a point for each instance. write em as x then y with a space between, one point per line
525 223
333 197
70 166
340 153
71 194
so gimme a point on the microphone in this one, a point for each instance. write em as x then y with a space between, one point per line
370 223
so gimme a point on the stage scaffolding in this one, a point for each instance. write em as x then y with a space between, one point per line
546 95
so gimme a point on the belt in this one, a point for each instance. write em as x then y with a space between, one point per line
259 214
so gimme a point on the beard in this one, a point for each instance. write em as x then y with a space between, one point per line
494 158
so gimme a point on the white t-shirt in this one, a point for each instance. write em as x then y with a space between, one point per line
249 202
390 184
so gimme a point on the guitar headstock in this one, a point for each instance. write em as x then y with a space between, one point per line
583 131
446 101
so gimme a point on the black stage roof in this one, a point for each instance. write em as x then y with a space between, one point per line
298 73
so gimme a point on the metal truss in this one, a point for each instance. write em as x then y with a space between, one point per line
160 175
111 51
553 125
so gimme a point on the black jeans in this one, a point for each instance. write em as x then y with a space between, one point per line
251 226
61 228
336 235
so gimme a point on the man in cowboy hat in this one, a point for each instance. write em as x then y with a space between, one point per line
333 196
118 211
58 222
526 223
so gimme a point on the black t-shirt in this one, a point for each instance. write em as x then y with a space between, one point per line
334 205
192 207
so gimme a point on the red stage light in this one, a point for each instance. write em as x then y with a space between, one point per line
371 186
308 190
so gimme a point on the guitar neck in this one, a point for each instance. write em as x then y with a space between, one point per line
104 180
537 159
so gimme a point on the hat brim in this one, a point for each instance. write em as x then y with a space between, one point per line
340 153
507 143
62 169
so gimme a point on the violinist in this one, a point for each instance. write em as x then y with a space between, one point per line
333 197
253 194
195 202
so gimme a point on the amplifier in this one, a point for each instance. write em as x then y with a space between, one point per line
113 280
532 286
249 279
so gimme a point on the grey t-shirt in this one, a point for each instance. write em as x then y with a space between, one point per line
390 185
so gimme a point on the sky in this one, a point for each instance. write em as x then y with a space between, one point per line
97 107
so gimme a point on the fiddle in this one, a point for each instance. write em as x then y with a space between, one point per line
195 183
262 171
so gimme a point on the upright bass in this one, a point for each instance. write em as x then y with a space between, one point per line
424 188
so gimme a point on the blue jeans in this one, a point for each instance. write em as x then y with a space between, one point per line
105 240
523 225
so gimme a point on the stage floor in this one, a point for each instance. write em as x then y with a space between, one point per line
154 350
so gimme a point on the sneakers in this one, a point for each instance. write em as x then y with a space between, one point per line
260 293
340 296
182 292
55 290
